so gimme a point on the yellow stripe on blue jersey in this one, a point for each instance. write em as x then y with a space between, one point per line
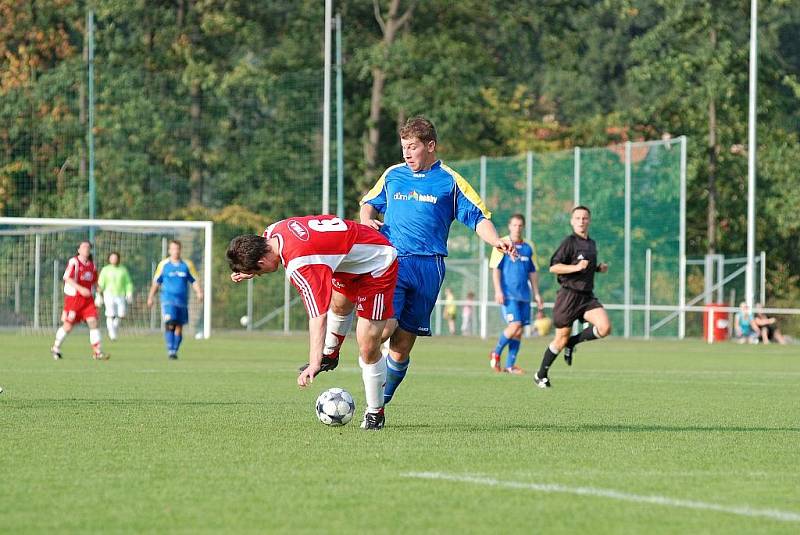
378 187
468 191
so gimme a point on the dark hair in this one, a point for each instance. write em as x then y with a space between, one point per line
581 207
517 216
419 127
91 256
245 251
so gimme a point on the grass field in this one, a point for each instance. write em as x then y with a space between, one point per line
661 437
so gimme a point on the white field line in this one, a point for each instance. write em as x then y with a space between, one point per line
740 510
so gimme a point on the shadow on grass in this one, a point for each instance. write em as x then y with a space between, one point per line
77 402
595 428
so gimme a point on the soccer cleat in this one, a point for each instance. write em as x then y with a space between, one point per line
172 356
373 421
568 351
56 353
494 361
329 363
541 382
515 370
101 356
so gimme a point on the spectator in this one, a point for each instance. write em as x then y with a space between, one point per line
466 314
745 328
768 327
450 310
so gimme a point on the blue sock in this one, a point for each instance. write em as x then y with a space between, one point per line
178 339
513 349
502 342
169 337
395 372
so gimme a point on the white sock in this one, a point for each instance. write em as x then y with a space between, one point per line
60 335
554 350
594 331
112 328
374 376
338 327
94 338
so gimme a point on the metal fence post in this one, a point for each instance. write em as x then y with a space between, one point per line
763 288
250 304
287 305
682 245
529 195
576 178
627 273
55 293
37 273
648 259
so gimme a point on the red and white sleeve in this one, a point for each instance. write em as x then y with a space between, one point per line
71 270
313 281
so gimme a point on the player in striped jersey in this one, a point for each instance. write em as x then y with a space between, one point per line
324 256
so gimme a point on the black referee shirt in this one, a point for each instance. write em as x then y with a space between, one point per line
571 251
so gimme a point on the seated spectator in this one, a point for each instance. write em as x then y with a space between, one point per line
768 327
745 329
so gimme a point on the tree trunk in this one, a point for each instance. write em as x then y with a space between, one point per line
389 28
713 153
196 172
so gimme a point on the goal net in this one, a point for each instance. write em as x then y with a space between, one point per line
34 253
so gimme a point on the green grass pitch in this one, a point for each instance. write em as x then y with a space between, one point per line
661 437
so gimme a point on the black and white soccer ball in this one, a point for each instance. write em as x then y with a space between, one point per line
335 406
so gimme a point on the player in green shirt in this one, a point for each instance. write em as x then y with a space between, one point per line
116 287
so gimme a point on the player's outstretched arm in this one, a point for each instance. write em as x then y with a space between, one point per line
488 233
316 337
151 294
198 290
369 216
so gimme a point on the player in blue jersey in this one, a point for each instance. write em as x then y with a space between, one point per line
419 200
512 291
174 276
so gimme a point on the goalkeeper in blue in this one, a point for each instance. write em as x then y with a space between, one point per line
419 199
174 276
513 282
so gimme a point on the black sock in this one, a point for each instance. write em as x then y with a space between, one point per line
547 361
584 336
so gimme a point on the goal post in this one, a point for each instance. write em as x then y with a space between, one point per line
33 250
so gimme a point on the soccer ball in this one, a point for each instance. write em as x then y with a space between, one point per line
244 320
335 406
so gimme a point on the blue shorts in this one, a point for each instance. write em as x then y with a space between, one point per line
175 314
419 279
516 311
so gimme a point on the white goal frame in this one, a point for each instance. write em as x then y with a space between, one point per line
206 226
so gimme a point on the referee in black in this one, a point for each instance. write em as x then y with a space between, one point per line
575 263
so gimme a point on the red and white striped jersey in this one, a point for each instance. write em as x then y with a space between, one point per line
314 248
84 274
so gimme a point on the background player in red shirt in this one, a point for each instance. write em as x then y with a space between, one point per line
79 281
325 255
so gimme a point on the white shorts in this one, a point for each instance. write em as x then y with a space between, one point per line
115 306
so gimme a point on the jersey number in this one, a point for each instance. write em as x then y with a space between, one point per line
327 225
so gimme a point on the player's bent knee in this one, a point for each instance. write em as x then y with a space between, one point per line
604 330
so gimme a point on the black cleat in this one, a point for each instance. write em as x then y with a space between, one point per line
373 421
568 352
541 382
172 356
328 364
55 353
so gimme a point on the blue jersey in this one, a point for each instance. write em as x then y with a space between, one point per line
515 276
419 207
175 279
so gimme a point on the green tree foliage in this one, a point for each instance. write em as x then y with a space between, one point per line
203 105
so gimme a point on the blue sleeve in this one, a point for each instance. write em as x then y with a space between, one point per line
376 197
469 207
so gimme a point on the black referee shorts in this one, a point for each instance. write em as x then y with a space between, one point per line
571 306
